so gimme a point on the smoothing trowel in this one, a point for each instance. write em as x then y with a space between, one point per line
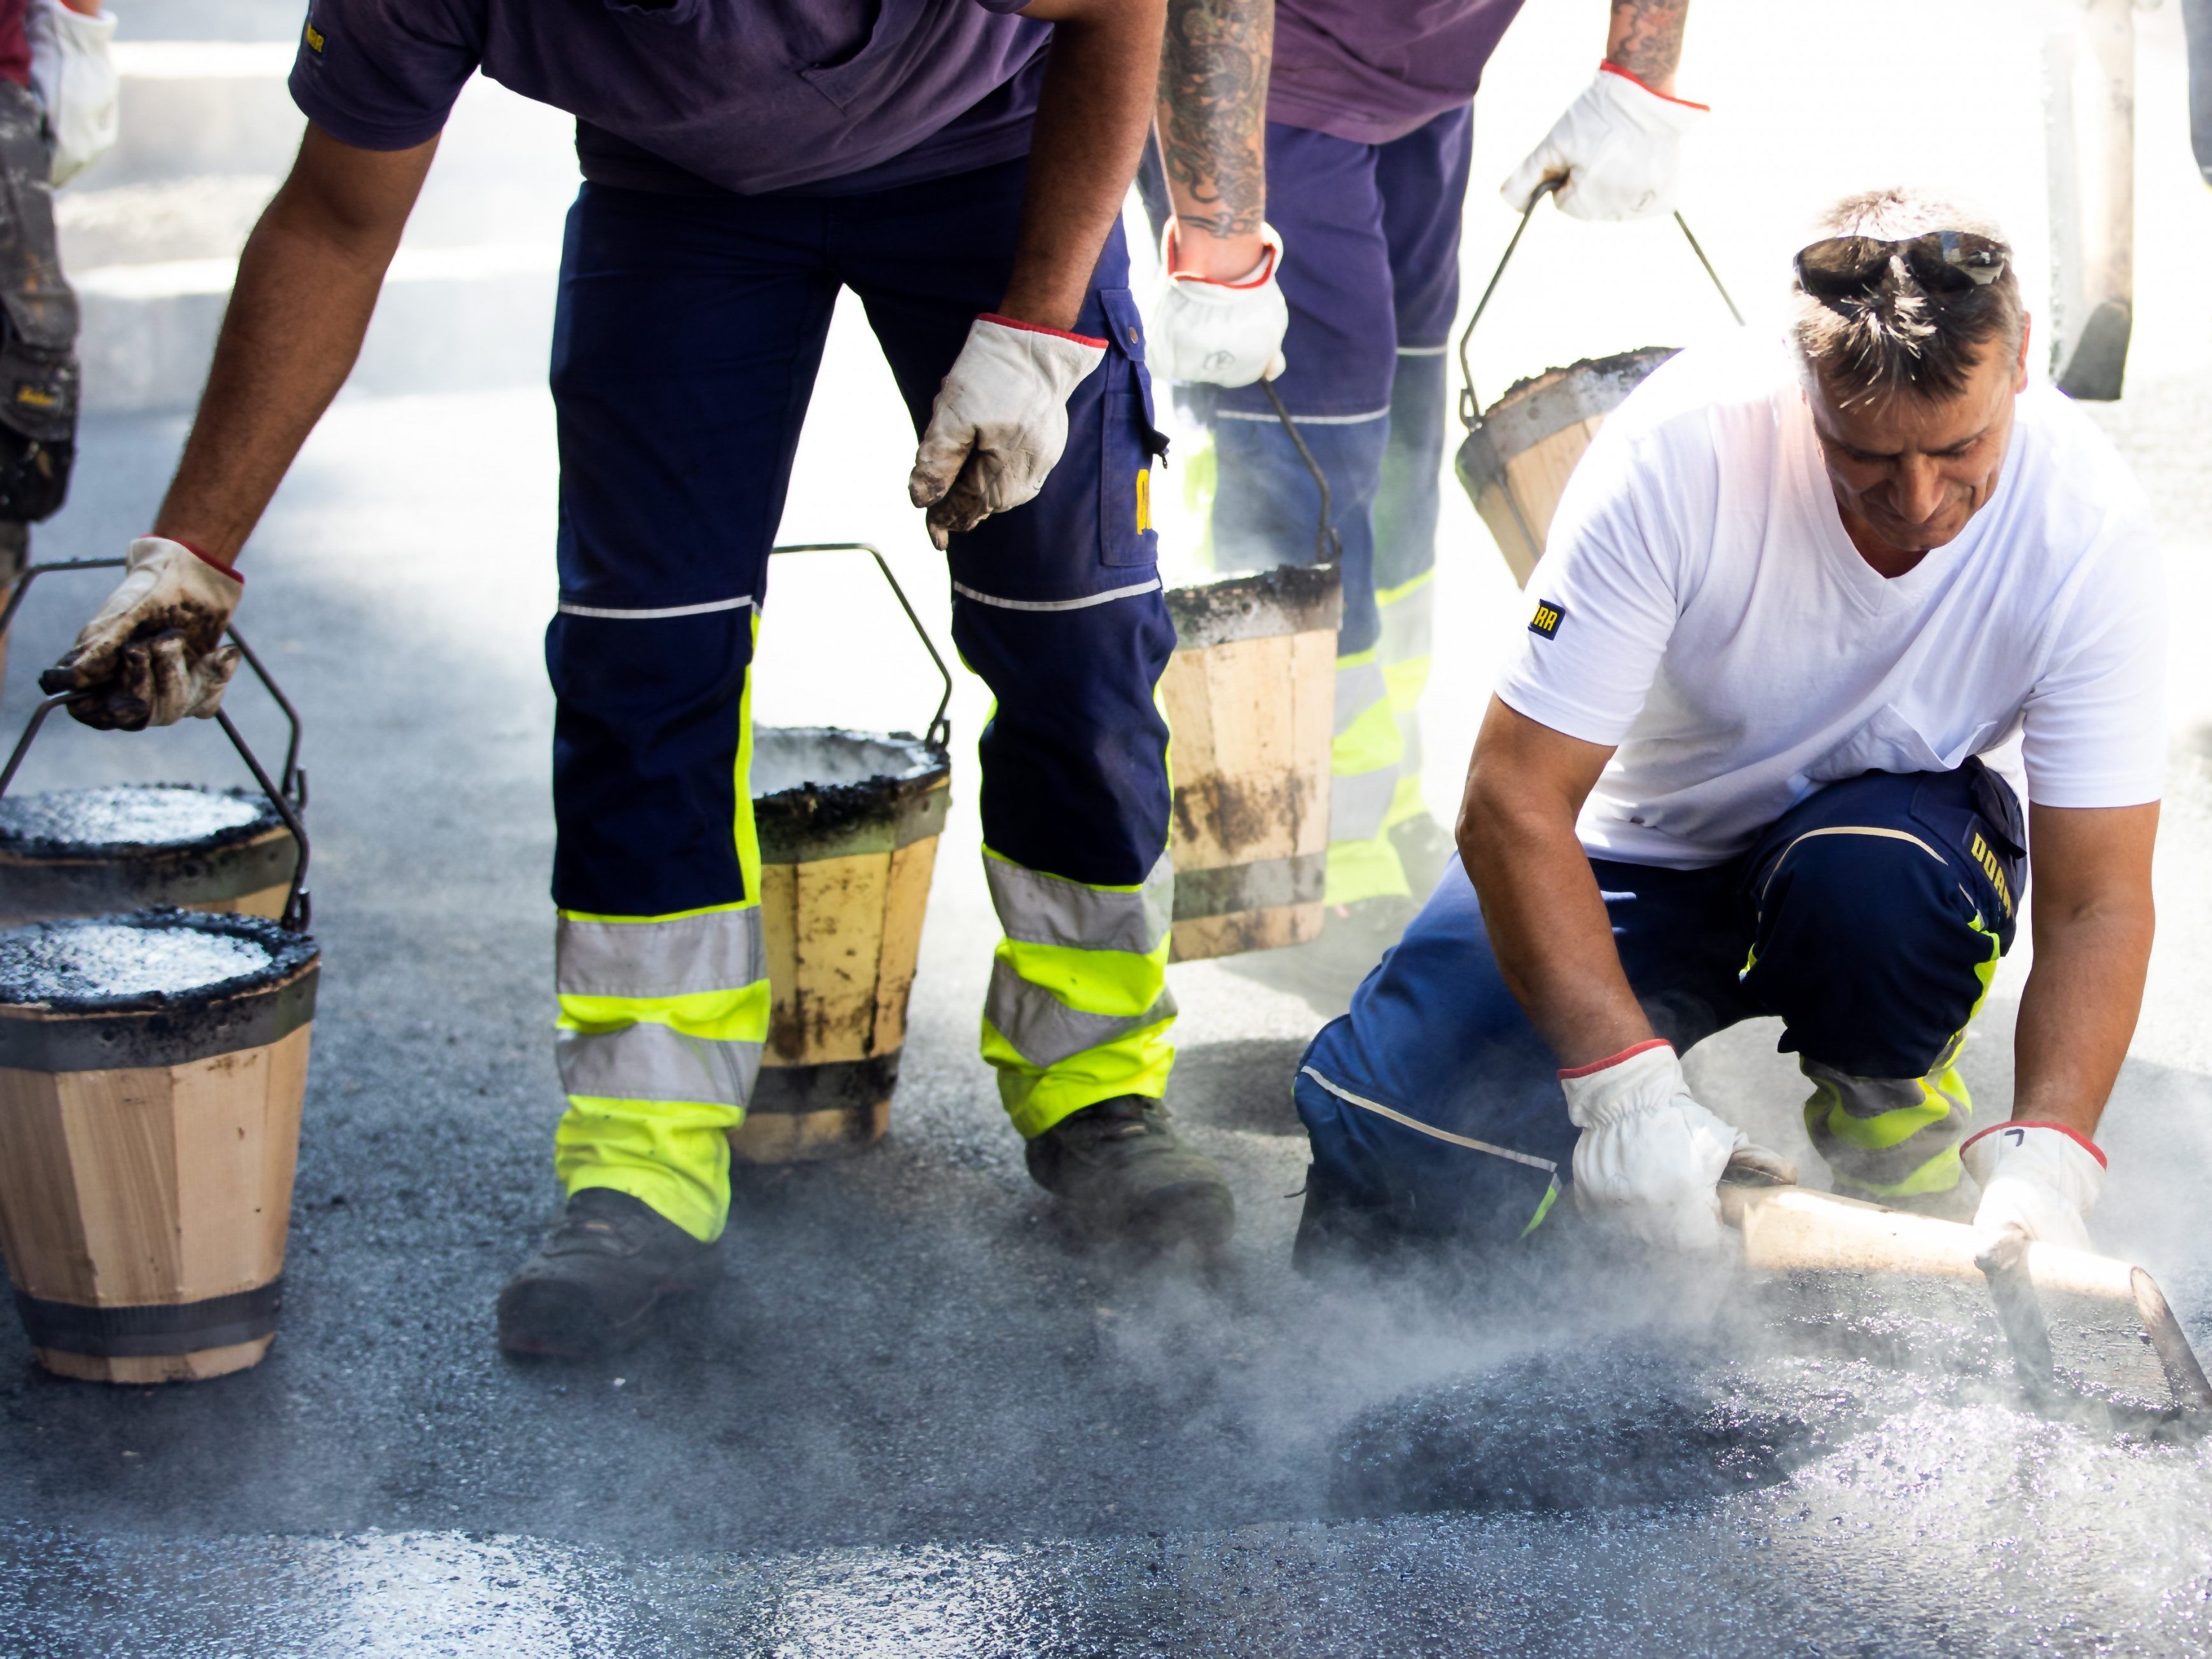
2071 1318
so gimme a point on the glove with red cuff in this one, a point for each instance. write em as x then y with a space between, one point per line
154 652
1650 1158
1219 332
1619 146
999 421
2041 1178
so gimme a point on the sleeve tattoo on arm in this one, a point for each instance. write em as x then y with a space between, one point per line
1213 91
1646 38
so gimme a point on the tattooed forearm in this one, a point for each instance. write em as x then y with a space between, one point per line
1645 40
1213 112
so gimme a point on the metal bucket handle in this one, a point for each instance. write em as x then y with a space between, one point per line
288 800
939 734
1328 546
1470 407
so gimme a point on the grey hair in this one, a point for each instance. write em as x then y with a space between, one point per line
1898 338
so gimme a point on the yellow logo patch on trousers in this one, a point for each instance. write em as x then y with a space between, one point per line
1144 501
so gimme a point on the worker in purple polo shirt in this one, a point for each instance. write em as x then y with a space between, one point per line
960 165
1315 156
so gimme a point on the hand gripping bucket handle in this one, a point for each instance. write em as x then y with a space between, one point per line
939 734
1470 406
289 798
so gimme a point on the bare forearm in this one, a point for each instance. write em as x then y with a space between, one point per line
1212 129
1645 39
2077 1015
306 285
1547 924
1092 116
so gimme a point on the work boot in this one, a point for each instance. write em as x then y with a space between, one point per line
594 1283
1120 1170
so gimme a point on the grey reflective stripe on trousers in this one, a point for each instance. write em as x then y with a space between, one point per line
1359 803
1044 1031
1041 909
721 950
1395 1116
1358 688
1408 626
647 1062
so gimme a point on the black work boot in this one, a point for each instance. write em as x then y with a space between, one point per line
1121 1170
594 1283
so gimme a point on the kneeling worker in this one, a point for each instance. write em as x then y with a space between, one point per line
1791 601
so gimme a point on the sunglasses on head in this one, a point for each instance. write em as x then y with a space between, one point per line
1941 261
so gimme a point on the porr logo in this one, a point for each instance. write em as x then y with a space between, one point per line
314 39
1550 613
1993 870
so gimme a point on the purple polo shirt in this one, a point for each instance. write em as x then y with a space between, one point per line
834 96
1372 70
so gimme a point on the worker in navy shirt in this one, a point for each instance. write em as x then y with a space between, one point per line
1347 124
960 165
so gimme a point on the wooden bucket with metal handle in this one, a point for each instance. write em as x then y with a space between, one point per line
152 1069
130 847
1249 695
848 822
1518 454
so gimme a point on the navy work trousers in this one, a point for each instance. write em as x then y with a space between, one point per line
689 332
1868 917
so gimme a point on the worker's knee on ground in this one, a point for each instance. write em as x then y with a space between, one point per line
1868 946
1889 1138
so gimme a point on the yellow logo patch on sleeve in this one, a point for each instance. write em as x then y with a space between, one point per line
1549 615
1144 500
314 39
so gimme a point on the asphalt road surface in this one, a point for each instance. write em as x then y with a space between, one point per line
920 1418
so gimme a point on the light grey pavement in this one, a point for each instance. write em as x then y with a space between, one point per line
920 1420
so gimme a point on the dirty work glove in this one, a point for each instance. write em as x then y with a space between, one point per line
73 80
999 421
154 652
1221 332
1619 148
1650 1158
2042 1178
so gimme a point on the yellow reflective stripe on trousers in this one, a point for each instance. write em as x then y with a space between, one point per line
663 1020
1078 1010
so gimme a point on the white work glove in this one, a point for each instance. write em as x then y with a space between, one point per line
154 652
1221 332
1650 1158
999 421
2041 1178
73 78
1619 146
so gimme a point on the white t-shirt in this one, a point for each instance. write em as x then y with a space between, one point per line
1701 606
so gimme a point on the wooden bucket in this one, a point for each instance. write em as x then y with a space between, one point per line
135 847
1516 460
151 1070
848 824
1251 700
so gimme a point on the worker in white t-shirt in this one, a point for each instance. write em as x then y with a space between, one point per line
1805 611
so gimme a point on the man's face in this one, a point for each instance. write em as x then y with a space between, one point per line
1913 470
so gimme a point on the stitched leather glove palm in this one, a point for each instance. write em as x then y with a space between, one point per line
1619 146
153 654
999 421
1650 1158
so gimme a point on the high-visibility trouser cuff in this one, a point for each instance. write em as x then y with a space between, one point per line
1367 869
1078 1009
663 1020
1888 1136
